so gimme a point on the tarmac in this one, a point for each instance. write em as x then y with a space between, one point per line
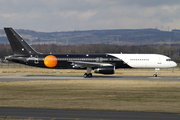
47 114
7 78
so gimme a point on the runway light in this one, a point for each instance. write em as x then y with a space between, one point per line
50 61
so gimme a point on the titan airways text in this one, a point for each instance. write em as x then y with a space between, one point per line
100 63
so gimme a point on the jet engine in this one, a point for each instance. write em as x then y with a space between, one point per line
105 70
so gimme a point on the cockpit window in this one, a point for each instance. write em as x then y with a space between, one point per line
168 59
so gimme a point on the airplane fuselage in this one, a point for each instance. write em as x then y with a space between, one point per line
64 61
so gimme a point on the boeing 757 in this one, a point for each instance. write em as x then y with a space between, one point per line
101 63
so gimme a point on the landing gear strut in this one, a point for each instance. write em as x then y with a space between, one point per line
155 74
88 74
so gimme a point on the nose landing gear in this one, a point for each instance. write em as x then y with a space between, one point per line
155 74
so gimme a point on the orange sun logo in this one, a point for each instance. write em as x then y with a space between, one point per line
50 61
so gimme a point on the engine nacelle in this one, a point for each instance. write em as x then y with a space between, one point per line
105 70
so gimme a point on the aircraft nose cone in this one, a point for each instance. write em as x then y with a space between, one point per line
174 64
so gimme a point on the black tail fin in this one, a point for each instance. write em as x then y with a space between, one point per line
18 44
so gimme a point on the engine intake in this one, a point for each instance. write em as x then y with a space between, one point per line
105 70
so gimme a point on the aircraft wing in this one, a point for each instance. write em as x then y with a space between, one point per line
82 64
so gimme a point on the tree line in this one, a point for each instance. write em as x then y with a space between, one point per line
172 51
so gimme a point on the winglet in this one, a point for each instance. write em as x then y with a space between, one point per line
18 44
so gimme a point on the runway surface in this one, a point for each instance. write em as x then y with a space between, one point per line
20 113
15 113
6 78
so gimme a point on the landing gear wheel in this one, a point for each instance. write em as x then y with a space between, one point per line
155 75
87 75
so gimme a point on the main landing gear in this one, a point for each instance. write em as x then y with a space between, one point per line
155 74
88 74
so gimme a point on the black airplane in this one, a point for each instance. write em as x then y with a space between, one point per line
101 63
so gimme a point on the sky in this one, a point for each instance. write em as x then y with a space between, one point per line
70 15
